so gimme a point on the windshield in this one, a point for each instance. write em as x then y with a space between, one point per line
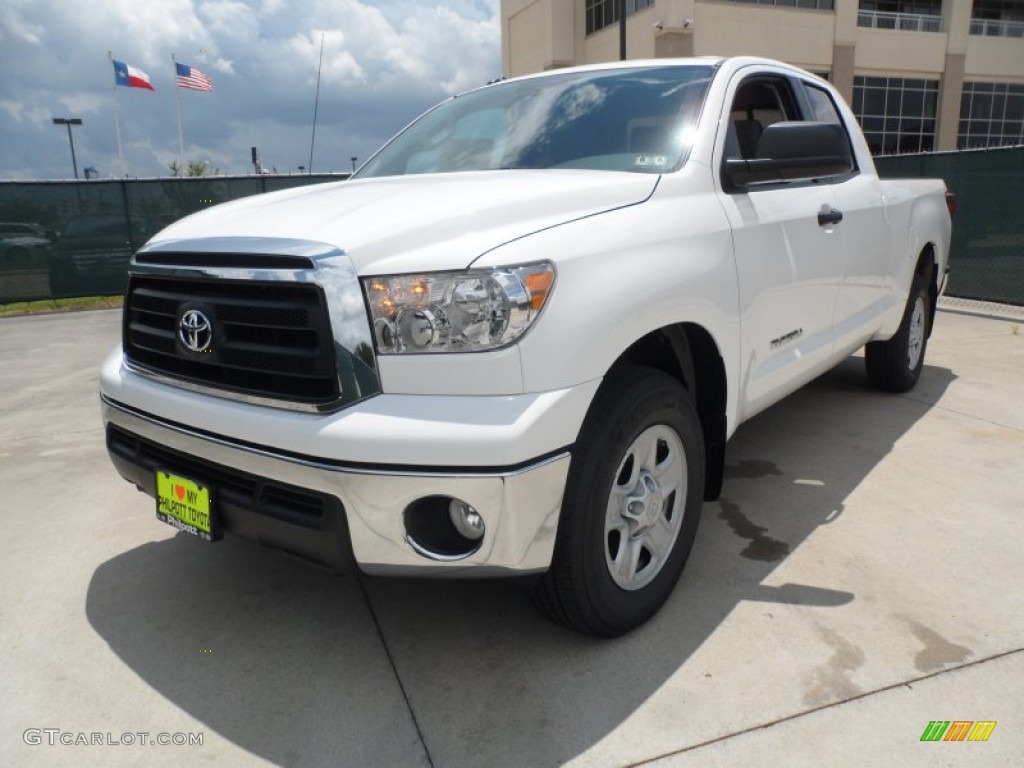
637 119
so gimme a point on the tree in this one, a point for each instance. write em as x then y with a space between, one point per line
192 169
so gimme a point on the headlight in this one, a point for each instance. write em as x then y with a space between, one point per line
469 311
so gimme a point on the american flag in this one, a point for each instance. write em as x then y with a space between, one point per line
190 77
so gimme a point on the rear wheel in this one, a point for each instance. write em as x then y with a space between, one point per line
895 365
631 506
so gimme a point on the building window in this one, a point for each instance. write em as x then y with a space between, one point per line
817 5
998 18
991 115
897 114
904 15
604 13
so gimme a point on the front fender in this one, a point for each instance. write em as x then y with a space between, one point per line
622 275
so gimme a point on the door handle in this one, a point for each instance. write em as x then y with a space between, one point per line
830 216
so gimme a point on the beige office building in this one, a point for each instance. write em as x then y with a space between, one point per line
919 74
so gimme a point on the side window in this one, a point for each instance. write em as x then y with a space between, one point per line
759 102
824 109
812 146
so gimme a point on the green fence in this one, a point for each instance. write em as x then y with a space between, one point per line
987 253
74 238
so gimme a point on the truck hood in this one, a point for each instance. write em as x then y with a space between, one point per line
418 223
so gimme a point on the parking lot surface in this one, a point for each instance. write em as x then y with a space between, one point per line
860 577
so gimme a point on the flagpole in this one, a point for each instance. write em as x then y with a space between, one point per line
177 107
316 103
117 120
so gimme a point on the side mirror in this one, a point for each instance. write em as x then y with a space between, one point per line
792 152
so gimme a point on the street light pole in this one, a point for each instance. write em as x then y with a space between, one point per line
622 30
69 121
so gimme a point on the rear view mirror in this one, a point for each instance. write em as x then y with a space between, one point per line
793 152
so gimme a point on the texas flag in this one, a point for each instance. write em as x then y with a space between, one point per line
130 77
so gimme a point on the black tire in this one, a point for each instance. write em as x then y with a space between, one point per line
637 409
895 365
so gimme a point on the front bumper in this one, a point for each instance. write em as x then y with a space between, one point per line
362 515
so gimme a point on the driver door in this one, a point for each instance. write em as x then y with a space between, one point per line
788 265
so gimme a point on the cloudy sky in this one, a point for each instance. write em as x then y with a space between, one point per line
384 62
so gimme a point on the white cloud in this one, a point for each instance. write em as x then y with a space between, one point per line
230 18
384 62
13 25
224 65
25 113
83 102
339 66
144 33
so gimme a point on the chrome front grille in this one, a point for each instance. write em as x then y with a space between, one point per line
270 339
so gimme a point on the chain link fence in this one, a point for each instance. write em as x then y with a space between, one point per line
987 253
62 239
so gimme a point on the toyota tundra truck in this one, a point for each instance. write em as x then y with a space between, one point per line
517 340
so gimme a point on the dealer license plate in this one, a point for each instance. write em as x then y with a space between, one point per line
187 505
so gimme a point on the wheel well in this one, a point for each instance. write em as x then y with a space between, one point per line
928 269
688 353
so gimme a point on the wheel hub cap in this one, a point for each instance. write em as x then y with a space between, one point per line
642 507
645 507
915 338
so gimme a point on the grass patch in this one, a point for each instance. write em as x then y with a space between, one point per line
60 305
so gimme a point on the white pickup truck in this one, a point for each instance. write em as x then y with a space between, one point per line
518 339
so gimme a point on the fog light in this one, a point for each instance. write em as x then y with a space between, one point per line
467 521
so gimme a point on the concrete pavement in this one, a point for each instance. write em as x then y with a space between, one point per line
860 577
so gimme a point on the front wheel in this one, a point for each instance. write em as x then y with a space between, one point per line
895 365
631 507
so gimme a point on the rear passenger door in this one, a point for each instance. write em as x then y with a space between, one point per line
865 236
788 264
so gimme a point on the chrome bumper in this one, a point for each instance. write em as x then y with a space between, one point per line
520 507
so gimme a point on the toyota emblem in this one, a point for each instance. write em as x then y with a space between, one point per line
195 330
